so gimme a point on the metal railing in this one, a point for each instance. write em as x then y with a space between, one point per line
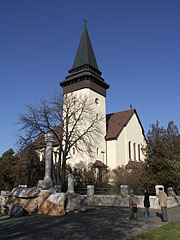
111 191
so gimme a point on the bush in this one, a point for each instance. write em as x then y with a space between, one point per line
132 178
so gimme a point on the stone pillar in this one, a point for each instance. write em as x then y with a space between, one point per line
157 189
70 183
49 139
90 191
124 191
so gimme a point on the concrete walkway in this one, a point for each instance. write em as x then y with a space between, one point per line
97 223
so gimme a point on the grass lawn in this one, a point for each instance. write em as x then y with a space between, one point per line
171 231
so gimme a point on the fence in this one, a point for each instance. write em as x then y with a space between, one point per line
112 191
98 191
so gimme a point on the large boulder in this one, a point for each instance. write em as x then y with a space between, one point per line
27 198
4 197
4 210
34 200
4 206
17 211
22 192
51 203
76 202
30 205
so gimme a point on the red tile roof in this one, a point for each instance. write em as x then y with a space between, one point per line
116 122
134 165
98 163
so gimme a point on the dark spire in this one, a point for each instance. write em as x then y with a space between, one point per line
84 72
85 53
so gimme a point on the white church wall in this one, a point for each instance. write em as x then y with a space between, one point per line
100 148
135 136
111 154
118 150
121 158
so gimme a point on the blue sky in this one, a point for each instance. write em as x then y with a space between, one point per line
137 48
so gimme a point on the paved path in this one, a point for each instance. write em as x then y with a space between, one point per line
97 223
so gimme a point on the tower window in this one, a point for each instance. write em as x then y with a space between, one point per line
97 151
97 101
74 150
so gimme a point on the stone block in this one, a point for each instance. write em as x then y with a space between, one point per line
70 183
76 202
17 211
4 198
124 191
51 203
90 191
26 192
30 205
4 210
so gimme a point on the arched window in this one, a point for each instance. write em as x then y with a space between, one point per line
97 101
74 150
129 150
97 150
134 151
139 152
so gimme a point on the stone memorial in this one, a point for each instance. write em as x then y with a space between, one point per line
47 183
44 199
70 183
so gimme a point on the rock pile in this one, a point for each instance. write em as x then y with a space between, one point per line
27 201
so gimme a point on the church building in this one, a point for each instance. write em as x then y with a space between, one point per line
123 137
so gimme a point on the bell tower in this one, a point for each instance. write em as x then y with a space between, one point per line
85 78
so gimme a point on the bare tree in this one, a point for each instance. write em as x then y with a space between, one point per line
73 121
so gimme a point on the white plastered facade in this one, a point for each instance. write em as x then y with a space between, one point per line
99 153
127 146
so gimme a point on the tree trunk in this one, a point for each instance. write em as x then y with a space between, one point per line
59 170
63 173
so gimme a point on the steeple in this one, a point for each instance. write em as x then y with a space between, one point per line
85 53
84 72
